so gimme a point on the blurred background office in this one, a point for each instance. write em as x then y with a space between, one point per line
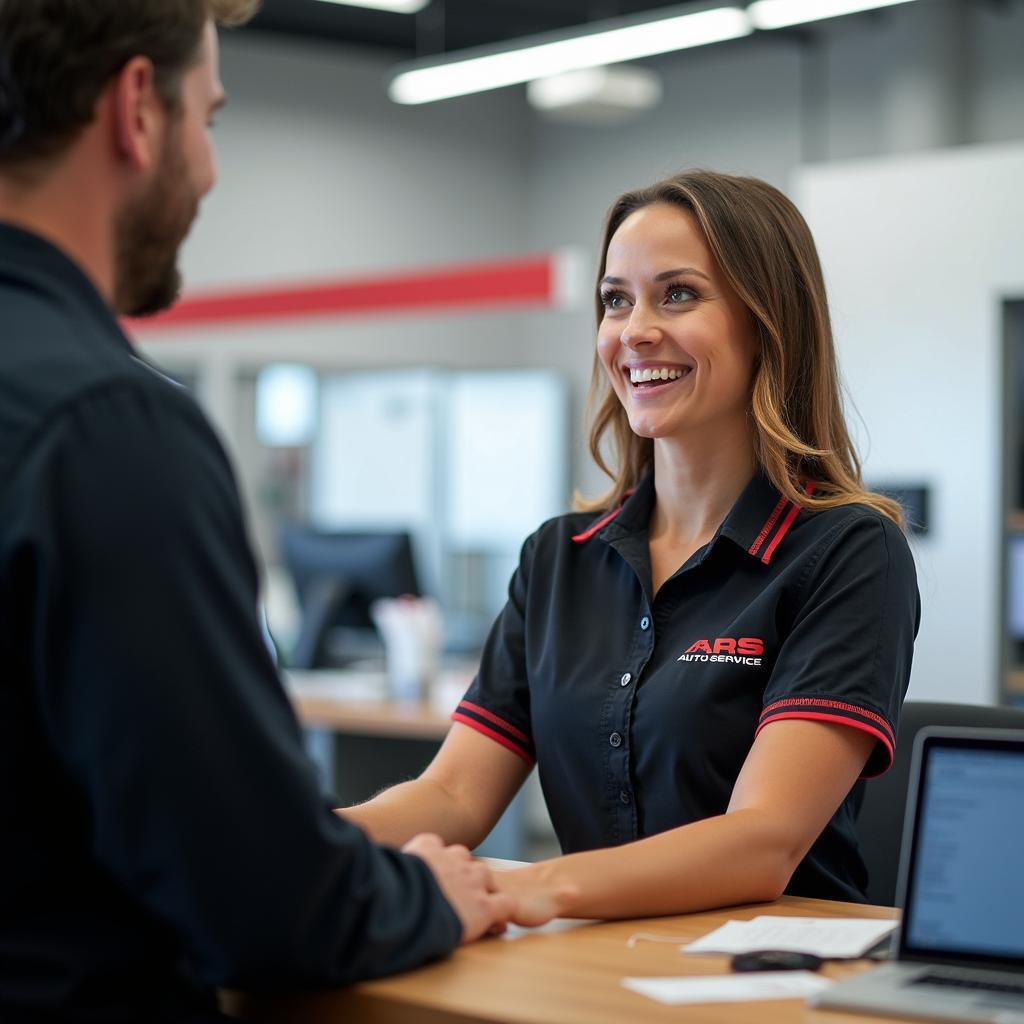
389 308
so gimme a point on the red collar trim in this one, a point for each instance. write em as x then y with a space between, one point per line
780 528
589 532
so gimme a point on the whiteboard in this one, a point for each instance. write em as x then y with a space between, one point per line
373 459
507 451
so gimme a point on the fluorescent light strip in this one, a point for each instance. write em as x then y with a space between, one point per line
768 14
395 6
595 49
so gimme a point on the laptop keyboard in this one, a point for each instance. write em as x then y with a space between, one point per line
982 985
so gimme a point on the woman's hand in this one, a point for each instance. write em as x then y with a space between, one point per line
538 893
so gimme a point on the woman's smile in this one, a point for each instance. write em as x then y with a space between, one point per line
648 380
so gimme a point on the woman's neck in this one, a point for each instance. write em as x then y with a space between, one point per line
697 482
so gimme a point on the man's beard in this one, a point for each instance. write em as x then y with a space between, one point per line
148 234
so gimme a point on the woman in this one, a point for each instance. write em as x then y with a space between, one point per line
705 661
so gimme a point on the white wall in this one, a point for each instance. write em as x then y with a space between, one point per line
321 173
919 253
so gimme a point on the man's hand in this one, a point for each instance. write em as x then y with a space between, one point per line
467 885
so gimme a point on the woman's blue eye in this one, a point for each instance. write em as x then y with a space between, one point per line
611 300
679 293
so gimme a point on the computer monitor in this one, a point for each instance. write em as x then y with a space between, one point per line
337 576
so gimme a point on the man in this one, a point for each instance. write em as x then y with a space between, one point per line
163 832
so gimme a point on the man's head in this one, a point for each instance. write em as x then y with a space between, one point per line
146 70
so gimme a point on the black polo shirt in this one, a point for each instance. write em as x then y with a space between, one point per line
163 831
640 710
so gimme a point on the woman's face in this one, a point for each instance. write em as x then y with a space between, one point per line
676 341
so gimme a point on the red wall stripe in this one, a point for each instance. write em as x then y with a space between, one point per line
528 281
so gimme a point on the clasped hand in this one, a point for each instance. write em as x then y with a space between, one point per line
487 900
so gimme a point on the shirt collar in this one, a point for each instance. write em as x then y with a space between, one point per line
28 258
756 523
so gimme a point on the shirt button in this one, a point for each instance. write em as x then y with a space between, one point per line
645 622
615 740
624 796
626 679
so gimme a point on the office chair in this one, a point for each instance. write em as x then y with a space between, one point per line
880 820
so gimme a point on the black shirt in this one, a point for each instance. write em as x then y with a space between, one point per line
163 830
640 710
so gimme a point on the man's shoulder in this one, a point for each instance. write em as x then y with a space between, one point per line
54 366
52 344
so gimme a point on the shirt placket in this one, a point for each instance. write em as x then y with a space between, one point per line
616 721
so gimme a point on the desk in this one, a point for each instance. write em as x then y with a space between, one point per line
356 702
569 976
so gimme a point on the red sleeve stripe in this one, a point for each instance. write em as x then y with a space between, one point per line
827 705
839 720
497 737
594 527
492 717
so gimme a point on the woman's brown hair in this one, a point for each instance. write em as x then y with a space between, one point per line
763 246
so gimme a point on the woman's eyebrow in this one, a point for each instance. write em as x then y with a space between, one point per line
665 275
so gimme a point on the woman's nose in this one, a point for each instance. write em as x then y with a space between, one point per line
642 328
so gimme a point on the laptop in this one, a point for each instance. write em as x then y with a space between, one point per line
960 954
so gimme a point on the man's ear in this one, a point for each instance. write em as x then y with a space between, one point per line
138 113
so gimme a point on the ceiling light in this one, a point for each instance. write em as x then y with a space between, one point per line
396 6
607 42
596 95
781 13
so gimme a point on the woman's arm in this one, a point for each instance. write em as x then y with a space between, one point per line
795 777
460 796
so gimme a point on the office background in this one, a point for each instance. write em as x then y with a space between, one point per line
899 132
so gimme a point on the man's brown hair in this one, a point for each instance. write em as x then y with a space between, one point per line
57 56
764 248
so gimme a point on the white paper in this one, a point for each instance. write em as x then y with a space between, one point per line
556 924
729 988
830 938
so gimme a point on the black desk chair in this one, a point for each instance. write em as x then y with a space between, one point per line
880 821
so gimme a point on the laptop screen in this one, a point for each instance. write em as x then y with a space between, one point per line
965 888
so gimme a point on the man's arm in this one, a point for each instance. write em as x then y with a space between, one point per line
160 696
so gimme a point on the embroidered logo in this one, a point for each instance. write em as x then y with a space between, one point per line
744 650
